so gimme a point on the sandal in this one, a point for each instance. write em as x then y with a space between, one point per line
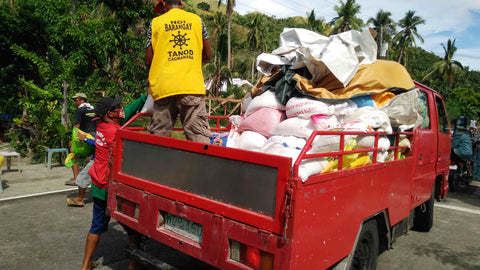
72 202
70 182
94 265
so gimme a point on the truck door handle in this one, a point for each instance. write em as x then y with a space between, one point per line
420 157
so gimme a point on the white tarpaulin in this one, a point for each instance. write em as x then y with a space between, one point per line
339 55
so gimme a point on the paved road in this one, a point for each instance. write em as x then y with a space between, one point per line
453 243
42 233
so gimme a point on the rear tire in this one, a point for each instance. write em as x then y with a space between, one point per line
423 220
366 250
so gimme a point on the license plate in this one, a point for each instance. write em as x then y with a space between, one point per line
184 227
453 167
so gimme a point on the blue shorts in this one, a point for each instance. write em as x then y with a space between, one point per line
100 219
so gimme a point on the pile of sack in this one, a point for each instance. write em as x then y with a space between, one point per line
290 102
267 126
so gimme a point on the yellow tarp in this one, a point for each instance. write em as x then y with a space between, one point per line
369 79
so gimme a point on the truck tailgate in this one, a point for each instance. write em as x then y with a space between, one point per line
237 184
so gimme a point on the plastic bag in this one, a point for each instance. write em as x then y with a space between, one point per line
69 160
403 109
350 160
219 139
79 147
234 134
148 106
381 99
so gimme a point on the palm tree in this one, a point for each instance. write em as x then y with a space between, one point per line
255 37
313 23
215 70
446 67
346 19
220 37
229 11
384 25
406 37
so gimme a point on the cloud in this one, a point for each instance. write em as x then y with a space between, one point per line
469 57
444 19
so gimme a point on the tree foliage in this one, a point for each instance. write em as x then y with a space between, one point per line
87 45
346 18
97 47
406 37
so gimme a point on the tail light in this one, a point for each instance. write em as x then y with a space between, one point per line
252 257
127 207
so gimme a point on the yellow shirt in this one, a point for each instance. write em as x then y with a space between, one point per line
177 45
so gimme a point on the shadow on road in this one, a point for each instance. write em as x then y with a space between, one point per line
469 195
446 255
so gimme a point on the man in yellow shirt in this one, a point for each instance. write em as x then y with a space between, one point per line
177 45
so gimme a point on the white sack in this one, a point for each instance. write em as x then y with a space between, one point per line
277 148
371 116
250 140
295 126
309 167
368 141
382 156
290 146
287 141
323 122
339 55
403 109
326 143
298 106
266 100
344 108
331 143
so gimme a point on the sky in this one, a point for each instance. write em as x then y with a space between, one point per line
444 19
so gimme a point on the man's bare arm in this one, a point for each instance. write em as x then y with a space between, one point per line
207 51
148 56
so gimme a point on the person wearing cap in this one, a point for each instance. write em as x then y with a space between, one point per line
110 113
177 45
83 121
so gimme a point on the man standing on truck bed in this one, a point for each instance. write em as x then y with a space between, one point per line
177 45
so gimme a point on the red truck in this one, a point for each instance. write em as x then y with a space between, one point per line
238 209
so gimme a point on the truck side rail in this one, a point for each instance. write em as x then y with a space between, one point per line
217 127
341 152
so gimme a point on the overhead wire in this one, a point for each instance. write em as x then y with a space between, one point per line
294 8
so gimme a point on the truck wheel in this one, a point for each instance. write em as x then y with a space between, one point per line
366 251
423 220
